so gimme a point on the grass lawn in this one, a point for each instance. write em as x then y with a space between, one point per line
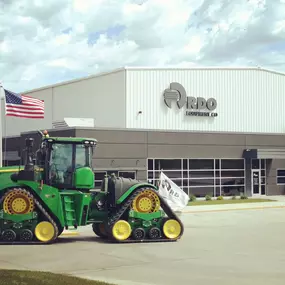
15 277
221 202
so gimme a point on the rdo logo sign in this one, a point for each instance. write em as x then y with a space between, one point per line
177 93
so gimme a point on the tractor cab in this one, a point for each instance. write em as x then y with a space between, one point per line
67 162
61 162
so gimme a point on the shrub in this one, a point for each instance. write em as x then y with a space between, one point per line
208 197
220 198
192 198
234 197
243 196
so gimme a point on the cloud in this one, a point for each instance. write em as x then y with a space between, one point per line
44 42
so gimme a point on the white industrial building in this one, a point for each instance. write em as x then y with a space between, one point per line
190 116
248 100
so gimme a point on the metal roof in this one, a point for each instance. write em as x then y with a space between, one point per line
152 68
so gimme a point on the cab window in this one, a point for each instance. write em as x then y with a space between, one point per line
80 156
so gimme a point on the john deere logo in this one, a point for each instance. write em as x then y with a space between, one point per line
195 106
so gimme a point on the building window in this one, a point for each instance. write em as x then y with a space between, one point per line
127 174
201 176
99 176
230 178
201 164
169 164
280 176
173 168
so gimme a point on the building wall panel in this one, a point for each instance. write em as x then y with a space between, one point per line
120 164
113 135
194 151
115 151
264 141
118 149
190 138
248 100
99 97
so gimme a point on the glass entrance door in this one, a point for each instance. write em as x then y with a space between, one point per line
255 182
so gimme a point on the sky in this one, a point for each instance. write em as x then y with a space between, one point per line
44 42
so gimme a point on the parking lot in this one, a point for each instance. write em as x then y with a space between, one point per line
240 247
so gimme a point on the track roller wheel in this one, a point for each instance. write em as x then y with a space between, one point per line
154 233
171 229
99 230
18 201
44 231
138 234
146 202
8 235
121 230
26 235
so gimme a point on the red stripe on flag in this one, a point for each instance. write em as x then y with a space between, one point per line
24 116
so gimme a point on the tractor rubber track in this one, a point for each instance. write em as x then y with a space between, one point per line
43 211
125 207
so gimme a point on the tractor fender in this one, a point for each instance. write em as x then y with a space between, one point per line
133 188
6 181
9 186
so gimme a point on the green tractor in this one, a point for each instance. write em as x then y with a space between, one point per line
54 190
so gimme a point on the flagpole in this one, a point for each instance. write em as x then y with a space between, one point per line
4 135
1 131
2 120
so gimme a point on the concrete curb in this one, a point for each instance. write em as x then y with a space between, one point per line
235 209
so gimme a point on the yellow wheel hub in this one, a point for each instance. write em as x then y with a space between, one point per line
146 202
18 202
44 231
171 229
121 230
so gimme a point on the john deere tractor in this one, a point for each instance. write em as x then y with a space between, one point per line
54 190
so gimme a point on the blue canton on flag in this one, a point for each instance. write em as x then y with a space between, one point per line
12 98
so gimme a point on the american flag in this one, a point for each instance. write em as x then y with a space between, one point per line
23 106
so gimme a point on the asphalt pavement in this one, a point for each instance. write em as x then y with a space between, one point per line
228 247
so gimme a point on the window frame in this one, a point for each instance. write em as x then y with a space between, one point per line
279 176
128 171
98 171
186 174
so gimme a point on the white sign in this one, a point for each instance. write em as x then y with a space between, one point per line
175 197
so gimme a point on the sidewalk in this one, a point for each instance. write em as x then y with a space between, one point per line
279 203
